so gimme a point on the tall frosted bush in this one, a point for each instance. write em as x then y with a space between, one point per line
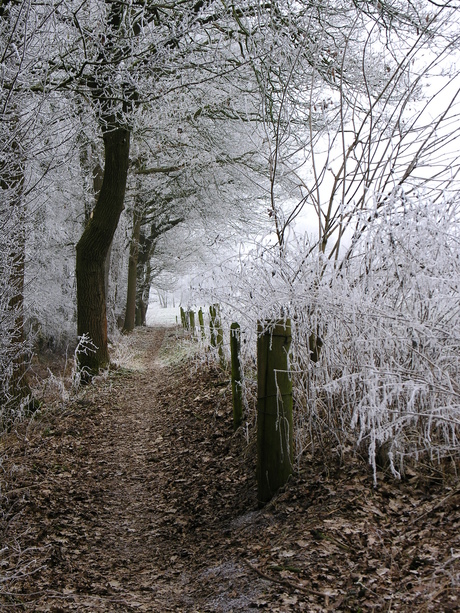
376 338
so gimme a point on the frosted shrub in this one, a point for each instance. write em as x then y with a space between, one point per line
401 334
80 374
122 352
376 339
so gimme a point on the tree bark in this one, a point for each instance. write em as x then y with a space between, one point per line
19 386
94 245
144 277
130 313
142 299
12 183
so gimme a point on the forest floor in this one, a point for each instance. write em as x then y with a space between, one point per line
135 494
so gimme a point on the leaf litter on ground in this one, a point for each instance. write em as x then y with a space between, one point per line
139 496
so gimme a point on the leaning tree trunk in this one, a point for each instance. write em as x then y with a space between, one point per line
93 247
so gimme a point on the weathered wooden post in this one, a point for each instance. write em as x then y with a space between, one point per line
183 318
212 324
217 333
220 345
237 391
201 322
192 322
274 408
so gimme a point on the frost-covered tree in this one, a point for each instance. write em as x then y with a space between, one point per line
200 167
118 57
21 146
106 63
353 109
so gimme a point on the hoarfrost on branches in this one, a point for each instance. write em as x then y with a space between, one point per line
373 292
325 134
383 372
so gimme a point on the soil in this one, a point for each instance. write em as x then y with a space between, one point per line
136 495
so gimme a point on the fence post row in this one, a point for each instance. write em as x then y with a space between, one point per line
274 394
237 390
274 408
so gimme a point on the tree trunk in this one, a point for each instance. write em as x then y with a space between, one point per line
130 313
94 245
143 292
19 386
147 246
237 384
144 274
12 184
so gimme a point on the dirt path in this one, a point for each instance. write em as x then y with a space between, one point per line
139 497
120 503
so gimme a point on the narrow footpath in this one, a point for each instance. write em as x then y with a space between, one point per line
132 499
138 496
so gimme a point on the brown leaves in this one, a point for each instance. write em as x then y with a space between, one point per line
144 499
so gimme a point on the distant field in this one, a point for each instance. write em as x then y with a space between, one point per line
159 316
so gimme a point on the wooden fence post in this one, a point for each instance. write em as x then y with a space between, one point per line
212 324
220 345
217 333
192 322
183 318
201 321
274 408
237 391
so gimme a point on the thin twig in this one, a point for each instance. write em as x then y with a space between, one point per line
292 584
436 506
